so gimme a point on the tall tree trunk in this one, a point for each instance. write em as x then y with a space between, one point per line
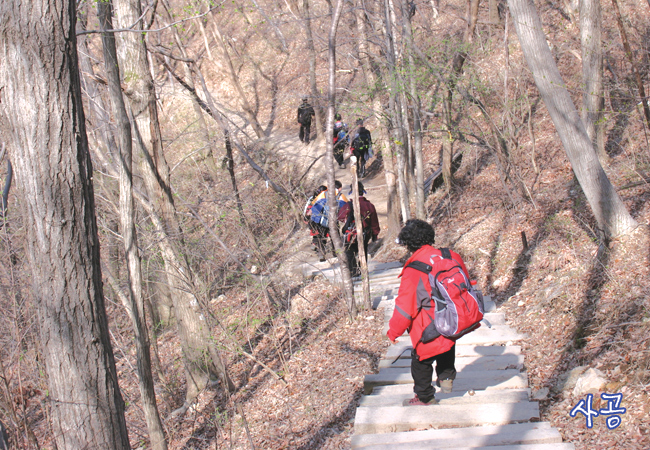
417 124
608 208
393 226
201 357
134 272
396 128
593 101
331 197
456 70
49 152
315 95
405 159
358 222
203 127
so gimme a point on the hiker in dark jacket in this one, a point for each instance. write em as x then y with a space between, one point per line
418 236
361 147
370 224
305 113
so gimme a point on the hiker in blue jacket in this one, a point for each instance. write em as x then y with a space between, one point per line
320 218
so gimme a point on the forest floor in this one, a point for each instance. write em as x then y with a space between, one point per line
581 304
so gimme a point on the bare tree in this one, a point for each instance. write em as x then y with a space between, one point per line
592 74
398 136
135 305
317 102
608 208
407 11
331 199
383 142
49 152
457 68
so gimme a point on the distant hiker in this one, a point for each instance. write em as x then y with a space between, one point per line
361 147
341 139
320 218
370 224
414 311
305 113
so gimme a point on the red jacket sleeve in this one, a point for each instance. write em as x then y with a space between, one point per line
411 288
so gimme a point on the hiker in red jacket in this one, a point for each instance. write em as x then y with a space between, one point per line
418 236
370 226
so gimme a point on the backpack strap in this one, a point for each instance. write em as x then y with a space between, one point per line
421 266
446 254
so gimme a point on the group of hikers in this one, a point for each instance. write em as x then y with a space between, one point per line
359 141
316 213
436 302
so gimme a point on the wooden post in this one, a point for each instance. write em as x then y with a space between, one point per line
360 239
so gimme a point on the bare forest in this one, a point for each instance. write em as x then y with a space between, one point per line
152 231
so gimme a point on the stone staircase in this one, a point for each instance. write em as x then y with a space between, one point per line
490 404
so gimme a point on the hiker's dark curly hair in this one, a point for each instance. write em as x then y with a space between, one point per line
319 189
415 234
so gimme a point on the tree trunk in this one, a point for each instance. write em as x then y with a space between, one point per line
417 124
49 152
393 226
593 101
608 208
395 125
332 203
134 271
202 360
315 95
188 76
358 222
457 69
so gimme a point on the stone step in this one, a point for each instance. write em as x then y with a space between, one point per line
390 419
397 384
464 363
404 349
388 276
489 435
425 446
455 398
330 268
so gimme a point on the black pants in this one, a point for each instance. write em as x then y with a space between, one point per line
361 162
338 154
352 254
422 372
304 132
320 238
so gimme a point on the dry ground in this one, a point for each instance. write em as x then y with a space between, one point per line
580 302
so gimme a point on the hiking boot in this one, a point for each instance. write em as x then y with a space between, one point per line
415 401
445 385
